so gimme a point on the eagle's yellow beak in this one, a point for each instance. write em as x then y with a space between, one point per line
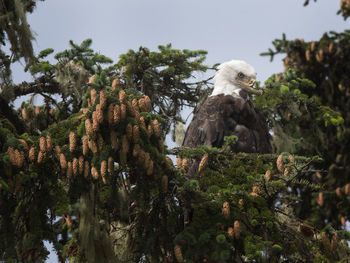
249 87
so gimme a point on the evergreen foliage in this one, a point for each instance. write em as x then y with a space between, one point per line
15 30
89 172
325 63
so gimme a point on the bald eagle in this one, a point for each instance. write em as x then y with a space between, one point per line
229 111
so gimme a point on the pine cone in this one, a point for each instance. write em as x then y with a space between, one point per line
95 122
122 96
136 150
89 102
103 98
86 169
137 117
37 111
341 87
103 171
203 163
343 221
99 113
42 144
52 111
236 229
72 141
93 146
69 222
279 163
93 95
116 114
268 175
161 145
40 156
240 202
81 165
330 48
156 128
94 173
338 192
32 154
75 166
69 170
85 145
110 114
149 130
100 142
230 232
148 104
110 164
147 159
291 159
320 199
135 133
185 164
256 191
286 171
226 210
114 140
142 105
150 168
122 112
128 132
169 161
24 114
130 109
142 122
319 56
25 144
313 46
164 183
308 55
125 145
178 254
179 163
49 145
347 189
19 158
135 105
115 84
141 158
88 128
91 80
57 150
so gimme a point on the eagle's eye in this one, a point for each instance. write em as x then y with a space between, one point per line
240 75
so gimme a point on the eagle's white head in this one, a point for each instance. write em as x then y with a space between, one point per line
234 76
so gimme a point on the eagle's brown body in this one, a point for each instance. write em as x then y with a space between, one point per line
221 116
225 115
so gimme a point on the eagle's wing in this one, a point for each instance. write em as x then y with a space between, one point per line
221 116
251 129
208 125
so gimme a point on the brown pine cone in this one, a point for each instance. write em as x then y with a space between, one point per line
93 95
42 144
122 96
103 98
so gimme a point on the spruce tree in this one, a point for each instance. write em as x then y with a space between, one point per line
90 171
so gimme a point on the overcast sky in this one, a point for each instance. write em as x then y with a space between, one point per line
227 29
